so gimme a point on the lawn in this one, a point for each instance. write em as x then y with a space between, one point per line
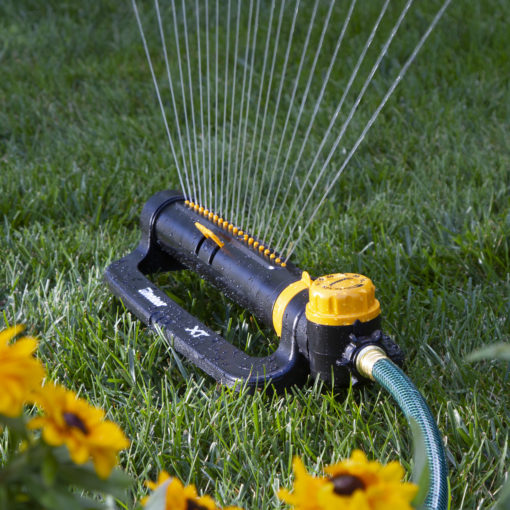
423 209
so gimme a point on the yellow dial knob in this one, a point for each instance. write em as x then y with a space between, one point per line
341 299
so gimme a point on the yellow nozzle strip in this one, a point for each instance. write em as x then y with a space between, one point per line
341 299
209 234
285 297
240 234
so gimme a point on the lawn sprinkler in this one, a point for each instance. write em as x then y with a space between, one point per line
329 327
325 325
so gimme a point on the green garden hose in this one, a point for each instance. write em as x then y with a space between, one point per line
414 407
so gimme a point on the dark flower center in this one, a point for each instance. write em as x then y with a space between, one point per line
345 485
75 421
193 505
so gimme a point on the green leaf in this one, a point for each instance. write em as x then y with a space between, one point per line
23 463
85 477
421 464
4 498
61 499
49 469
157 501
57 497
17 425
503 502
493 351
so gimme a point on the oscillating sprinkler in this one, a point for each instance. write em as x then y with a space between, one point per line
329 327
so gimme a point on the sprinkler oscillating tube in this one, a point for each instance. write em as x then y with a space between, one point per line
328 327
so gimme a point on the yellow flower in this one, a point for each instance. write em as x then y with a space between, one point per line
20 372
180 497
353 484
81 427
306 488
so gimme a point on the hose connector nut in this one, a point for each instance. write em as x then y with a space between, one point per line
366 359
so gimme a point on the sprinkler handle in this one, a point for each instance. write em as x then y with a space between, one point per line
186 334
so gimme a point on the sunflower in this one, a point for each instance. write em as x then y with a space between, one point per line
20 372
180 497
353 484
81 427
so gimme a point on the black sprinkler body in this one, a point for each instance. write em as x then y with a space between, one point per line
317 321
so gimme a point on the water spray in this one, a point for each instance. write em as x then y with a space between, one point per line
329 327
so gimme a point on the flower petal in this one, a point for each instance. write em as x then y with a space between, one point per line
53 435
24 347
8 334
104 462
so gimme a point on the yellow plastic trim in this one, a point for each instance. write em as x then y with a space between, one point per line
231 228
208 234
285 297
341 299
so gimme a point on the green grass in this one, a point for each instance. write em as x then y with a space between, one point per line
423 209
